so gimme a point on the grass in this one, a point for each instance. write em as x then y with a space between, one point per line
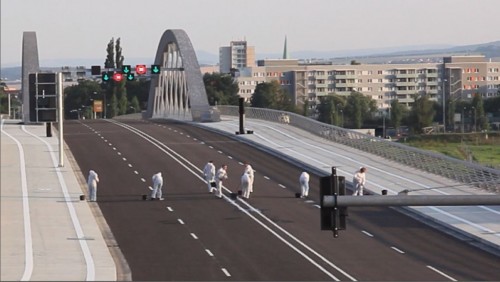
478 147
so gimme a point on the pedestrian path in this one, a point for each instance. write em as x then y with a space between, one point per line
47 232
479 225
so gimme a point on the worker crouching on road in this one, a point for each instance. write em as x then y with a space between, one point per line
245 185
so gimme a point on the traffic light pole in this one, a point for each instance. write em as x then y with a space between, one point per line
414 200
334 202
61 117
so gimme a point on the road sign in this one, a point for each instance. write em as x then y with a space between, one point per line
43 97
97 106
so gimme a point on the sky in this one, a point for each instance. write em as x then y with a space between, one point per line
70 29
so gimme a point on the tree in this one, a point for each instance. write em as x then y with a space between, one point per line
422 112
397 113
329 109
113 111
79 97
122 103
221 89
271 95
492 105
359 108
134 105
3 99
481 120
114 60
110 57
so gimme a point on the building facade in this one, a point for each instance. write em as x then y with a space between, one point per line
237 55
458 77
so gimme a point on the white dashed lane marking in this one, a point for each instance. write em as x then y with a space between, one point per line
366 233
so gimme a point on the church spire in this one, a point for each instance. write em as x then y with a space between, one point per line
285 51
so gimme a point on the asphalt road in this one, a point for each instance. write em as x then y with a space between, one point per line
193 235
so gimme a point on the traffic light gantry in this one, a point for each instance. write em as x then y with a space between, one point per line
334 201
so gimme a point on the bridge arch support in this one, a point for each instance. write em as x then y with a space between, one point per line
178 92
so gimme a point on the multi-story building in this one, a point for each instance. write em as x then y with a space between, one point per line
458 77
236 56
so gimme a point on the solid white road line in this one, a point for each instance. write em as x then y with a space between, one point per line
442 273
28 242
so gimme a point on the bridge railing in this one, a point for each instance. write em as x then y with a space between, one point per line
439 164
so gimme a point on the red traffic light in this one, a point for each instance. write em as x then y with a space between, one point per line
117 77
141 69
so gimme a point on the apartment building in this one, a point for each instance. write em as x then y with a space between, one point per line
458 77
236 56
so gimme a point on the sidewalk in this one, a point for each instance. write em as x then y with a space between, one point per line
47 232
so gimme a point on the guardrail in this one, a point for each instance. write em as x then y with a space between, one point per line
461 171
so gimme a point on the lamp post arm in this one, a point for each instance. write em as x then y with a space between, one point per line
414 200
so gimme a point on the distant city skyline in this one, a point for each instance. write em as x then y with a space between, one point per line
69 30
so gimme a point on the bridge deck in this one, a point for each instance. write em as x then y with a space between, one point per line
479 223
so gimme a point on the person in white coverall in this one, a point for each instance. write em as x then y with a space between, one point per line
209 175
92 181
157 193
359 180
219 177
249 171
245 185
304 184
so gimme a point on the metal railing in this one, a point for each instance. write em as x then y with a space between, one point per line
439 164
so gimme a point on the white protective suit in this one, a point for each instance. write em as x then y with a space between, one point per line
219 177
304 184
359 180
249 171
92 181
209 175
245 185
157 186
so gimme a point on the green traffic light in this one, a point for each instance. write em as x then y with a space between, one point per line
155 69
130 77
126 69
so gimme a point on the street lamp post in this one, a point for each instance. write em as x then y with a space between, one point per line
444 105
383 124
463 120
342 114
105 105
475 123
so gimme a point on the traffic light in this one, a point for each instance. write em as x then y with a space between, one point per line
106 76
117 77
95 70
140 69
333 218
130 76
126 69
155 69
